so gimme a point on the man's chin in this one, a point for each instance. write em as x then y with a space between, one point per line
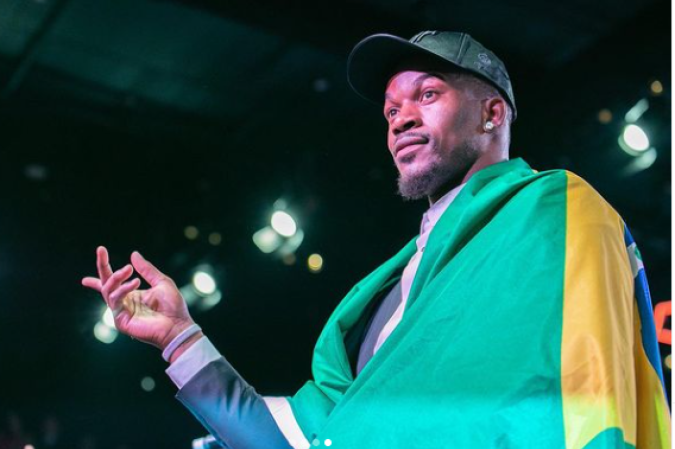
415 186
423 183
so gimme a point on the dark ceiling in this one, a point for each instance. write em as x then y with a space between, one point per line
122 122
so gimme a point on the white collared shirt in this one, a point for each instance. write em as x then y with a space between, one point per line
429 220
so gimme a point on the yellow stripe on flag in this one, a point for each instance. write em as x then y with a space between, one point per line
597 367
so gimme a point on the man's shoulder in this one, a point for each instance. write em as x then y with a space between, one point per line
580 190
567 183
584 205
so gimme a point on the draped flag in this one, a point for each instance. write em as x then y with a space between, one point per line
528 325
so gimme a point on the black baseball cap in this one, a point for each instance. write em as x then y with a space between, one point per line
376 58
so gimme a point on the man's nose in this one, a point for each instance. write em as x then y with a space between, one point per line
407 118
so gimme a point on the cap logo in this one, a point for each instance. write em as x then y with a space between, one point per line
483 61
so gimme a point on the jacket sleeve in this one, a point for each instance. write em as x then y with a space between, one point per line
230 409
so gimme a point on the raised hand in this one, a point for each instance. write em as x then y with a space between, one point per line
155 315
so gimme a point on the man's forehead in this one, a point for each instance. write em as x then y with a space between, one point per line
417 75
415 78
422 66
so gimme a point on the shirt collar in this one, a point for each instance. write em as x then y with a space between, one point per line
434 213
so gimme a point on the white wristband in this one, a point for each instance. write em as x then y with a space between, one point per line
179 340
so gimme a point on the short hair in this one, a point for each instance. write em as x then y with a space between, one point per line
480 88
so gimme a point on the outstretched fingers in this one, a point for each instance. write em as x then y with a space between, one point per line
147 270
93 283
117 297
103 264
115 281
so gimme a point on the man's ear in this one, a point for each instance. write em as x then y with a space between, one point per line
495 110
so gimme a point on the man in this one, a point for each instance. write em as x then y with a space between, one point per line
518 318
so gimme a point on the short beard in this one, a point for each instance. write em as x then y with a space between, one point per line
441 174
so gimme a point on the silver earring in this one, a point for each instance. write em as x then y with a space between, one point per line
489 126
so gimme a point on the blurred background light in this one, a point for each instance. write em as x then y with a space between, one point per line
282 237
209 301
202 292
637 111
315 263
104 334
291 244
204 283
215 238
605 116
656 87
267 240
289 259
634 140
148 384
36 172
283 223
321 85
108 318
642 162
191 232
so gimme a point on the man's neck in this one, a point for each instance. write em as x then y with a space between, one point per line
487 159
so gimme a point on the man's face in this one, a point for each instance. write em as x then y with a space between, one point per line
432 131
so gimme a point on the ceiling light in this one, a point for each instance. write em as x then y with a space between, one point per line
283 223
634 138
204 283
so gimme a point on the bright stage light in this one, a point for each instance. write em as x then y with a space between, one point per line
105 334
284 224
204 283
634 141
202 293
635 138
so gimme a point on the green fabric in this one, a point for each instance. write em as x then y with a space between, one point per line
609 438
475 361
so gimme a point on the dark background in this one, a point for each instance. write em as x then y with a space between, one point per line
124 121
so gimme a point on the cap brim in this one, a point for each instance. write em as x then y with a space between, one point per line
374 60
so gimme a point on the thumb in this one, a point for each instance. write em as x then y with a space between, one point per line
147 270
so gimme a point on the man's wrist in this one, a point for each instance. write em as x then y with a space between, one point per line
185 346
179 335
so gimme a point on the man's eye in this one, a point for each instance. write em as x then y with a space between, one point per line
391 113
428 95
